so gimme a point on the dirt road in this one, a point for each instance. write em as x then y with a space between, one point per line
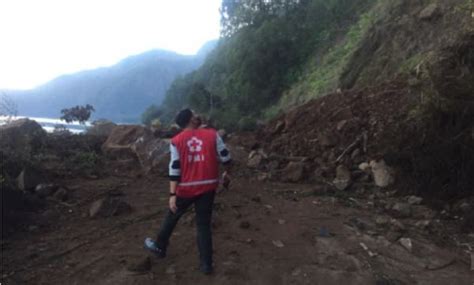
265 233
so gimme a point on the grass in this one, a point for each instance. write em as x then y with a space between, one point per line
323 76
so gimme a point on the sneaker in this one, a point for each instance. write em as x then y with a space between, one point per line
154 248
206 269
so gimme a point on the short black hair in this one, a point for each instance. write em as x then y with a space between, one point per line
183 118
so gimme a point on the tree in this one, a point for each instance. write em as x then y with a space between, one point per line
151 113
77 113
8 107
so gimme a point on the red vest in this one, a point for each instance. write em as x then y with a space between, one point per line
199 163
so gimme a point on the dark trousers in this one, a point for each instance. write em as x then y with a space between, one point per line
203 207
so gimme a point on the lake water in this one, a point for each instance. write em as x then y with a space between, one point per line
49 123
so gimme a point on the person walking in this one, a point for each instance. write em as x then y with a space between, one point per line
194 179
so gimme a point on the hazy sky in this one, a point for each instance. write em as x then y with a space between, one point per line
41 39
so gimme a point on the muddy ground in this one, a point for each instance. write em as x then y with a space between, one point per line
264 233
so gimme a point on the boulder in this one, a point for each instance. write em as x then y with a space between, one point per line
22 135
293 172
383 174
402 210
29 179
430 12
108 207
138 143
343 178
102 128
18 140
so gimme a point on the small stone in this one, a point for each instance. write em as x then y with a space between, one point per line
423 224
255 160
465 207
244 225
281 221
61 195
257 199
406 243
430 12
171 270
343 178
341 125
382 221
355 153
293 172
414 200
402 210
397 226
383 174
45 190
249 241
278 243
296 272
141 266
364 166
263 176
269 207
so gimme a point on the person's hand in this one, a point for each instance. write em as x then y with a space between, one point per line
173 207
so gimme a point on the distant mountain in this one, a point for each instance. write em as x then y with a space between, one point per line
119 93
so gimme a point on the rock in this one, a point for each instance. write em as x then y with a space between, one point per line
465 207
255 161
101 128
244 225
48 217
364 166
263 176
397 226
278 243
108 207
21 136
414 200
281 221
343 178
407 244
139 144
61 195
382 221
326 140
423 224
293 172
171 270
341 125
28 179
430 12
402 210
422 212
355 154
383 175
45 190
141 266
279 127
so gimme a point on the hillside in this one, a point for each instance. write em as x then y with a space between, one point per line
120 92
282 54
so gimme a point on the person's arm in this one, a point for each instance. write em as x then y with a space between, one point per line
175 176
225 158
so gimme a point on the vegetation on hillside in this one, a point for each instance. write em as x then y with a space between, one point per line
265 48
